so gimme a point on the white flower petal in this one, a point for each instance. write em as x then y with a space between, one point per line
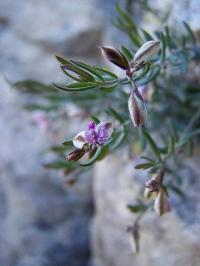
79 140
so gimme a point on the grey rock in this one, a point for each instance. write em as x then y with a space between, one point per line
173 237
33 31
43 222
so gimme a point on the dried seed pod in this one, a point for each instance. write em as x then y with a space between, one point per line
149 194
153 184
71 181
75 155
115 57
161 204
92 152
145 52
134 237
137 108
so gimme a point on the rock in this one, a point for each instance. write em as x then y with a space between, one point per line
174 236
31 33
43 222
174 12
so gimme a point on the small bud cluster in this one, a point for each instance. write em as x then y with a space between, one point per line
155 190
134 237
136 104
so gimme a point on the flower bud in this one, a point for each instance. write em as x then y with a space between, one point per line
71 181
153 184
137 108
115 57
161 204
92 151
145 52
149 194
134 237
75 155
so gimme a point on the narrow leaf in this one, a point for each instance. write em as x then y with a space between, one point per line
144 166
190 32
137 208
88 68
95 119
116 115
74 87
152 144
68 143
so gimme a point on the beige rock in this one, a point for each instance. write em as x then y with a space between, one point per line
172 239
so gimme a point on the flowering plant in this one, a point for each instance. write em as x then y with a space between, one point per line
87 141
155 82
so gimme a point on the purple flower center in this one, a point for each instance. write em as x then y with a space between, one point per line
98 134
91 125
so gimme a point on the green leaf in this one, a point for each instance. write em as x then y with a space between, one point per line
185 139
103 153
60 164
108 86
137 208
79 79
69 65
99 155
163 46
142 72
127 53
79 86
62 60
147 36
33 86
147 158
126 18
171 145
152 144
95 119
116 115
169 40
45 108
177 190
152 74
88 68
190 32
118 138
108 89
126 23
58 149
105 72
144 166
68 143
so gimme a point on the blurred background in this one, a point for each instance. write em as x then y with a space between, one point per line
43 221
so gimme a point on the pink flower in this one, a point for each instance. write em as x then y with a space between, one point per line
41 120
94 135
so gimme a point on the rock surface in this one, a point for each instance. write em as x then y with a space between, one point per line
43 223
173 238
33 31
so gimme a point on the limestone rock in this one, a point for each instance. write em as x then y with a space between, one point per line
173 237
